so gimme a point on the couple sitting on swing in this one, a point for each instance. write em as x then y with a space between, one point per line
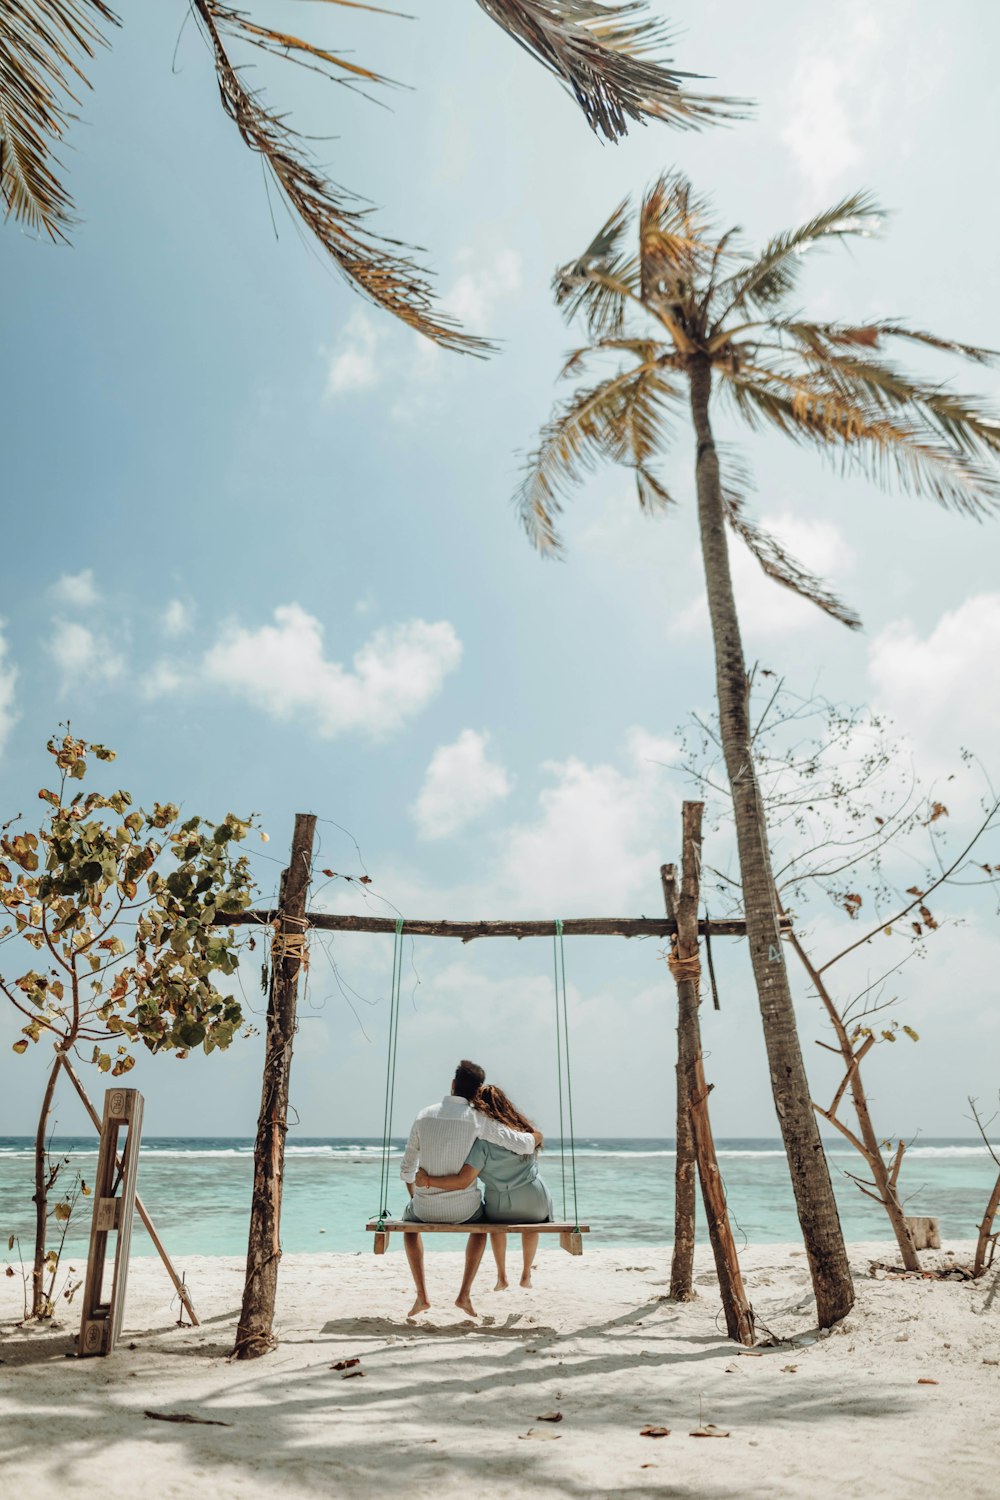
474 1132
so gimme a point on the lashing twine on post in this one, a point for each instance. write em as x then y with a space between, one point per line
293 945
685 968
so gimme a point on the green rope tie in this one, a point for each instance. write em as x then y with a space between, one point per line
390 1072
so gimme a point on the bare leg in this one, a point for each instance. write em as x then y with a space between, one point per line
415 1257
529 1244
474 1252
499 1244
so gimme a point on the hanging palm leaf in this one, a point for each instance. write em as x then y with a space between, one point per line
604 55
603 52
43 44
338 221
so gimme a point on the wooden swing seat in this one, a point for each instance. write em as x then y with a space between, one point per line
570 1235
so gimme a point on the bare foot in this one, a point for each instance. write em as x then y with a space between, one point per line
465 1303
526 1279
421 1305
502 1284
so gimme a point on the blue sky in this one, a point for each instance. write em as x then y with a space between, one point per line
260 539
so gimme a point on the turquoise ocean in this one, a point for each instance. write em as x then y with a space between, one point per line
197 1190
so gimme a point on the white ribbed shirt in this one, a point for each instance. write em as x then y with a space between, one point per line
440 1140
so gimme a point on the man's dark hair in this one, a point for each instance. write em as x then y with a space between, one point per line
469 1079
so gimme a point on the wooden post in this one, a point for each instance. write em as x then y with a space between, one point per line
140 1207
101 1319
254 1336
739 1313
682 1260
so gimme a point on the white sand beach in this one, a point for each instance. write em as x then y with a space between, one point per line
446 1407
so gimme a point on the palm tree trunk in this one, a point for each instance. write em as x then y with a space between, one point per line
814 1200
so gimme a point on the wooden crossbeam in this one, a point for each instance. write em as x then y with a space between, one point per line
627 927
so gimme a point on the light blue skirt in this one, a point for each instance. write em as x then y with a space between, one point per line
530 1204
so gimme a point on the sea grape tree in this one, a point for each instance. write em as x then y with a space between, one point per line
119 905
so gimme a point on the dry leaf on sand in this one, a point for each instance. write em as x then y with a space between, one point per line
549 1416
709 1429
345 1364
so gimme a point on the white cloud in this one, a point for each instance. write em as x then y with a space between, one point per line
178 618
77 590
283 669
593 843
163 677
821 121
352 364
475 294
767 609
461 783
939 687
598 833
8 682
83 655
371 348
842 98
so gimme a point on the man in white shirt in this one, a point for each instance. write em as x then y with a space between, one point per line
439 1142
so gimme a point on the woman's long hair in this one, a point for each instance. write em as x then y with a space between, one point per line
494 1102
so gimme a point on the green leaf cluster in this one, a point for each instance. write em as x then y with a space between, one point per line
120 905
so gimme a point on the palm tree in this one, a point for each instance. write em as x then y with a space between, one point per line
602 52
685 313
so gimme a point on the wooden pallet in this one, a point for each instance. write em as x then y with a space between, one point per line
114 1203
570 1235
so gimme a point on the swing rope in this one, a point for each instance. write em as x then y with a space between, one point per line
562 1046
390 1072
562 1069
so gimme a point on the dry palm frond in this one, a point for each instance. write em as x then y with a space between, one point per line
875 335
673 228
42 46
769 279
868 439
621 420
602 52
780 566
339 221
602 281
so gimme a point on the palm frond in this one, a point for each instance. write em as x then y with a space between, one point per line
620 420
605 54
778 564
868 438
673 231
875 335
769 279
43 44
646 352
965 421
603 281
338 219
